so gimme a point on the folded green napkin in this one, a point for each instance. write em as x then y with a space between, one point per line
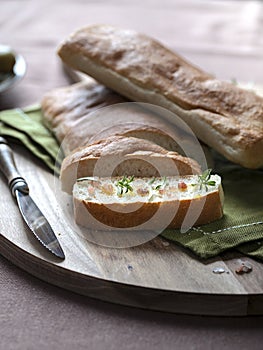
241 227
242 224
25 126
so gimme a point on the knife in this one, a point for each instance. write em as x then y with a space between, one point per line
31 214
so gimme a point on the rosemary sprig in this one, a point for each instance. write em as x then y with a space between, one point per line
204 180
124 185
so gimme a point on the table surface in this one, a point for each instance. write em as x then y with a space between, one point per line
224 38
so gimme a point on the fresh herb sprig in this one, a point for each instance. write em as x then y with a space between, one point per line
124 185
204 180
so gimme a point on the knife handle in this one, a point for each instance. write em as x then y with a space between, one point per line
9 169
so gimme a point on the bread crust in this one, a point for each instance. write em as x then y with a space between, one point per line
74 113
64 109
222 115
120 155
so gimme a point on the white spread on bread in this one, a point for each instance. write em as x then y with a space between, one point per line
101 203
107 190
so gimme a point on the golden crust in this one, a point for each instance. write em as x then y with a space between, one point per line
73 114
222 115
119 155
63 109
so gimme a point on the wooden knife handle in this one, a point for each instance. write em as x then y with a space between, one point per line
9 169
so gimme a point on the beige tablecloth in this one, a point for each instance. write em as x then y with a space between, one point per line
224 38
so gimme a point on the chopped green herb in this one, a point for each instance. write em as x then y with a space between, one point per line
152 181
163 184
124 185
165 181
151 198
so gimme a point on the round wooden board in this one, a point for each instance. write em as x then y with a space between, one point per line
155 275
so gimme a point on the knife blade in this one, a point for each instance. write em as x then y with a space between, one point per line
30 212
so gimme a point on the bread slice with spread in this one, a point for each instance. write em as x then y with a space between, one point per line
147 203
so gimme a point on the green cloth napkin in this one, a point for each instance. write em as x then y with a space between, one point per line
25 126
242 224
241 227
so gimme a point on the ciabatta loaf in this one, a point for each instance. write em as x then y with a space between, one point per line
146 203
67 111
120 155
222 115
77 117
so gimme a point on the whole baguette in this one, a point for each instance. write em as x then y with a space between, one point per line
148 205
120 155
225 117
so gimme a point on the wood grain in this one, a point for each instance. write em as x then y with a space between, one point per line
153 275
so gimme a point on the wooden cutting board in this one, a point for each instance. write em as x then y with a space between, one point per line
156 275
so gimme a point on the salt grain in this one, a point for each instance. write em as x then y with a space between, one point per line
218 270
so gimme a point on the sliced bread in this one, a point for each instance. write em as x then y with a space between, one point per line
147 203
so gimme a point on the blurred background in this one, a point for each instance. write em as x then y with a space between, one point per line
218 36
